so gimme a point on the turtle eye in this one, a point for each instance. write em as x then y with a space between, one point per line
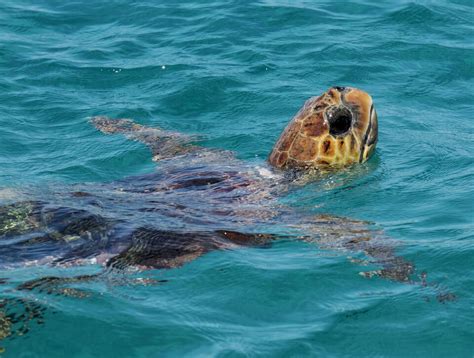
340 120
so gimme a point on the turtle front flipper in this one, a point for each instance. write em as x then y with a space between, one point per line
358 237
339 233
160 249
163 144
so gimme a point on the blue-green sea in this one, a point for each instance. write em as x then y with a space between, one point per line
233 73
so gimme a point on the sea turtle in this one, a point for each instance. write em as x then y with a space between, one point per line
198 200
203 192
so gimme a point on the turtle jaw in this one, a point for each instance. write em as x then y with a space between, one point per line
365 125
352 119
371 137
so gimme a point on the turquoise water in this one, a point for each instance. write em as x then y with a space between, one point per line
234 73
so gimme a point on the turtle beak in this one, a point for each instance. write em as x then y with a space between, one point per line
371 136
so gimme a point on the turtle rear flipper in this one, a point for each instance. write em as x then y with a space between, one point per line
55 285
163 144
34 233
17 315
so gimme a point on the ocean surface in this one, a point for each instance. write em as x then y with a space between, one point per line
234 73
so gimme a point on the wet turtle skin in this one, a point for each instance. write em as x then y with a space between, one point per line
198 200
338 128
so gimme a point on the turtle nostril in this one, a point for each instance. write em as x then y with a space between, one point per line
340 120
339 88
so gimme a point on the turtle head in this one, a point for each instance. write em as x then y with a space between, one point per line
336 129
